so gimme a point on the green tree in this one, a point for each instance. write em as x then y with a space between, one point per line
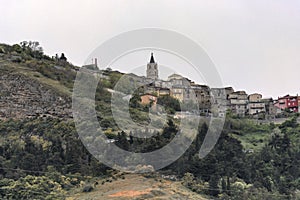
214 189
169 103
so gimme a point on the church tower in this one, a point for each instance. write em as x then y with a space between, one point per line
152 71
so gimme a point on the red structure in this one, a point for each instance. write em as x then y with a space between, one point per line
298 103
288 102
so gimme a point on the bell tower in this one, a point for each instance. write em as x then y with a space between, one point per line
152 70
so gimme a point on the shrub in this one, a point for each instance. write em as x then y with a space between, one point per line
88 188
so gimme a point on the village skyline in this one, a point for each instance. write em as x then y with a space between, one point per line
254 45
239 102
123 65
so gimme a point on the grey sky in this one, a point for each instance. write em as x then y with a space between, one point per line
254 44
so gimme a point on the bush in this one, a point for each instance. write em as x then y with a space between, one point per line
169 103
88 188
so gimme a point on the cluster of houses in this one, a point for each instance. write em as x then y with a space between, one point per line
238 102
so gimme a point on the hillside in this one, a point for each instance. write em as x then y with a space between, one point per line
32 87
138 187
35 101
42 156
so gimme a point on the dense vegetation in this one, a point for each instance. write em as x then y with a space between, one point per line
35 153
230 172
47 155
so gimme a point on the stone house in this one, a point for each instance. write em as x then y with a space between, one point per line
162 84
179 92
164 91
271 110
255 104
238 102
220 99
180 87
257 107
254 97
201 94
177 79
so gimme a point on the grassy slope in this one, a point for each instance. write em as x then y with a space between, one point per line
19 68
251 134
254 135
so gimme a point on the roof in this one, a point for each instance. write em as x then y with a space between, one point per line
152 58
240 92
255 94
287 96
175 76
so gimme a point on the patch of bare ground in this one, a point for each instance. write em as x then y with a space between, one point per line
137 187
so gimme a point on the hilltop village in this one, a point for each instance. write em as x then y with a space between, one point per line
40 141
239 103
21 103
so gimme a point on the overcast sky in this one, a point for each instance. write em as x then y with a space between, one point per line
255 44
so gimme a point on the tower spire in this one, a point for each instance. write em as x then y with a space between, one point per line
152 69
152 58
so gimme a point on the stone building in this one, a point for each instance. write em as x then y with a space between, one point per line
238 102
179 92
184 89
159 91
152 69
180 87
93 66
271 110
202 96
164 91
255 105
162 84
220 99
254 97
